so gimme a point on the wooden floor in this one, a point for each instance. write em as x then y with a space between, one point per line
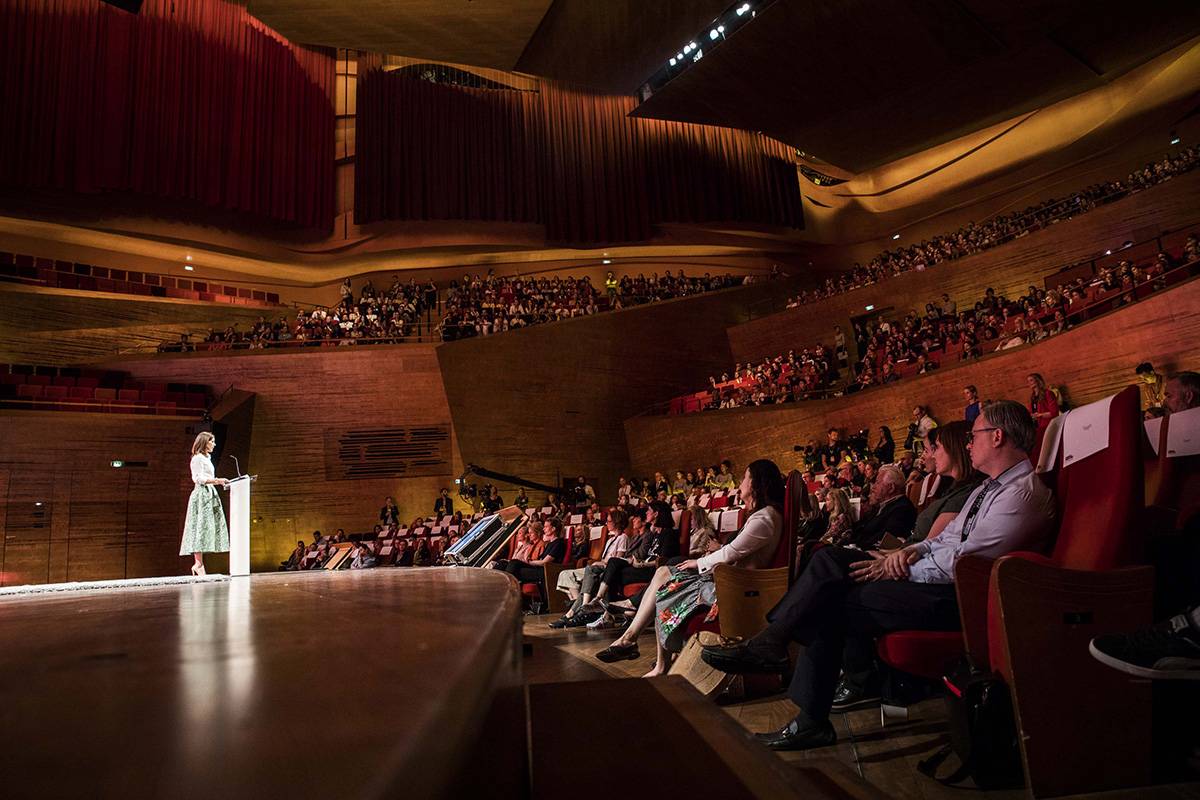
885 757
317 684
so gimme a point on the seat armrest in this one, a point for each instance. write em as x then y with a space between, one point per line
971 577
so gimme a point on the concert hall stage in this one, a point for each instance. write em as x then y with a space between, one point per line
369 683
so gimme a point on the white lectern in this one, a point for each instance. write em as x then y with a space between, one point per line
239 525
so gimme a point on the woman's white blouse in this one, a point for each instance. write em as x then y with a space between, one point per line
753 547
202 469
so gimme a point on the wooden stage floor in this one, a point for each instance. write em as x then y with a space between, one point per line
885 757
314 684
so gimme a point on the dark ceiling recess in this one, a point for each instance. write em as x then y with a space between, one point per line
613 45
860 83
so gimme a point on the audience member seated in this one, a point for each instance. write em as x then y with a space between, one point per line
580 584
295 559
890 512
843 600
389 515
657 543
678 593
948 455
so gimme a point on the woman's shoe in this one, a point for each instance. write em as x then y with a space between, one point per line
618 652
195 570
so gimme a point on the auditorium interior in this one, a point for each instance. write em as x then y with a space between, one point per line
772 399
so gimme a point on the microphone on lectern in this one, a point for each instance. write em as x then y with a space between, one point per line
236 465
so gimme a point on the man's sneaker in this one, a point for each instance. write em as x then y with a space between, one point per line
1167 651
603 623
849 697
581 619
561 622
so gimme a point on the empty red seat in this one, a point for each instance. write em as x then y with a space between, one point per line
105 394
41 380
64 380
81 393
30 391
90 381
11 380
55 392
195 400
129 395
152 395
165 408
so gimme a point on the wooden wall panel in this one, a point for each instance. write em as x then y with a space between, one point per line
301 395
1092 361
550 399
62 460
1009 269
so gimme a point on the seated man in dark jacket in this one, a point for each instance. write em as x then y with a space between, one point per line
893 513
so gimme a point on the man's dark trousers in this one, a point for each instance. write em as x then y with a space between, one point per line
825 610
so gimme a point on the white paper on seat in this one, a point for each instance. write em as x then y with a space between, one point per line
435 530
386 550
595 532
1050 444
402 532
547 509
529 512
704 500
715 518
576 519
675 515
1183 434
856 508
729 521
1085 431
383 534
1154 432
446 520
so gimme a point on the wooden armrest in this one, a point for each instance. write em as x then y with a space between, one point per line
744 596
1084 727
971 578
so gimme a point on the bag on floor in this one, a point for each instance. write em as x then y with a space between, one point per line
983 731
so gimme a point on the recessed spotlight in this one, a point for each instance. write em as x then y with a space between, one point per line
117 463
38 504
720 29
672 62
189 267
1108 252
188 258
713 34
870 308
606 261
743 8
895 236
1176 140
679 56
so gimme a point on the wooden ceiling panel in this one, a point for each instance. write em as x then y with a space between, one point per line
485 33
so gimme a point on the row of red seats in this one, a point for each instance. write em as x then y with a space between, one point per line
87 394
26 386
87 277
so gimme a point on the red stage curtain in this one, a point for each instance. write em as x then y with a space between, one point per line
190 99
572 160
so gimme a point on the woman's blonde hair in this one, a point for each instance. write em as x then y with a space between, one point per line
202 440
838 502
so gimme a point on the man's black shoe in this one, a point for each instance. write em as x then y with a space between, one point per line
1168 651
849 697
746 658
561 622
581 619
799 734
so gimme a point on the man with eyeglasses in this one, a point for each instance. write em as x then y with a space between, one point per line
845 598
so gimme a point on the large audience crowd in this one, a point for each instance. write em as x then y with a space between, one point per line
475 306
919 343
977 237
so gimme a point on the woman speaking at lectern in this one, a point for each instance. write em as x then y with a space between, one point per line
204 530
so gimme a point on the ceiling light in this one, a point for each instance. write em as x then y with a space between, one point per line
1176 140
117 463
743 8
1108 252
38 504
189 258
672 62
692 45
687 48
606 261
870 308
189 267
713 34
720 29
895 236
679 56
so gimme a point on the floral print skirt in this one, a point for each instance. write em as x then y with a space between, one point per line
684 595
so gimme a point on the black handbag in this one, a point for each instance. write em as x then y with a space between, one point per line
983 731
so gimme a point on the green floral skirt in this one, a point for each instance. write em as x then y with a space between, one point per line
204 530
682 597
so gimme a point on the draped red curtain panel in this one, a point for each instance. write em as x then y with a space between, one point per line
190 99
572 160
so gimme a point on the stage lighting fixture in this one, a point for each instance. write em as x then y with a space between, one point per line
672 62
1176 140
606 261
692 45
117 463
687 48
870 308
1108 252
187 258
895 236
743 8
713 34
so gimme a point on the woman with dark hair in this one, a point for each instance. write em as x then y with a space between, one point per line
1043 406
946 454
676 594
658 542
885 448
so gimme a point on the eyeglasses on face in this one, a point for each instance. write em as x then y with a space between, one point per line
982 430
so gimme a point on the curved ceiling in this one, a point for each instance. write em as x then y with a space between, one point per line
861 83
